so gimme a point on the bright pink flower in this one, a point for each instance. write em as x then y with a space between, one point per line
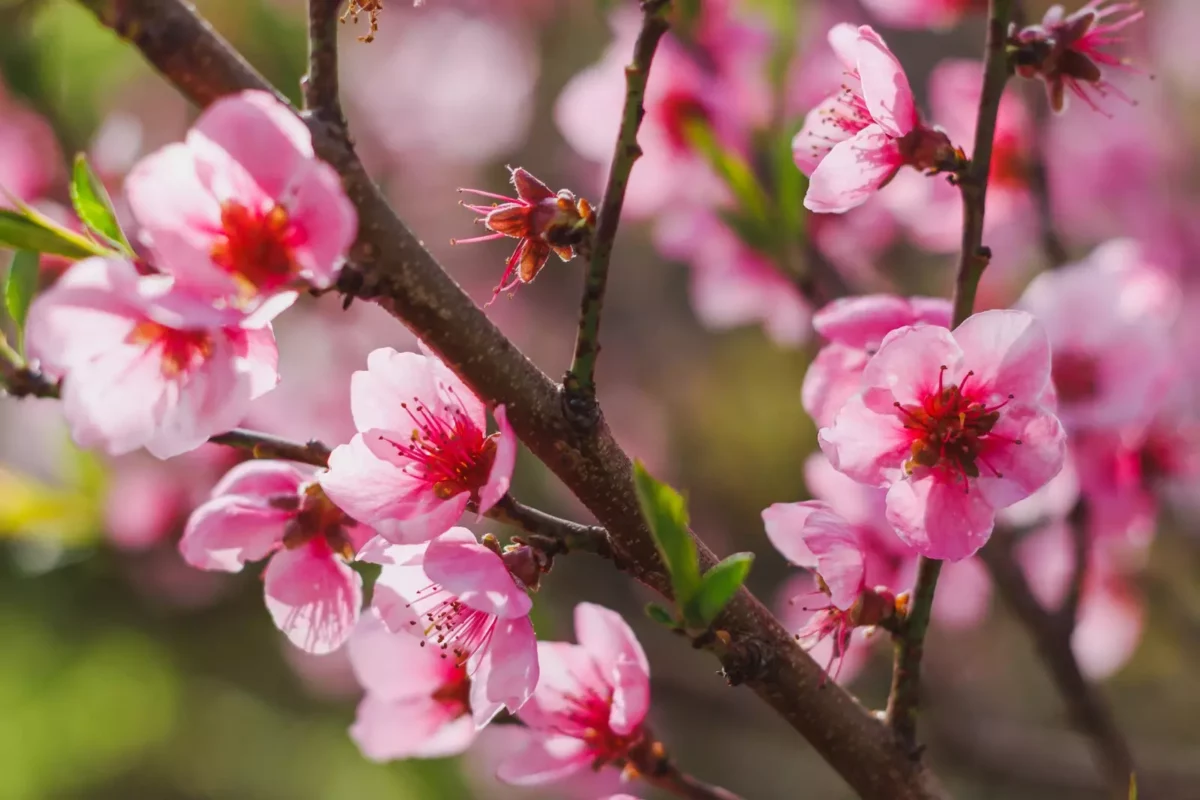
459 596
1113 359
145 365
589 707
854 328
417 704
953 424
856 141
422 452
922 13
275 509
243 208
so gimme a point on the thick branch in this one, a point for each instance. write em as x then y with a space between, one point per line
1087 709
580 382
321 83
391 267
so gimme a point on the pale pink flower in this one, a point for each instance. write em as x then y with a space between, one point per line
459 597
1113 361
30 159
953 424
855 142
854 328
243 208
422 452
143 364
589 708
276 509
417 703
922 13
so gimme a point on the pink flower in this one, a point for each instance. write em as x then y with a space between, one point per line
856 141
922 13
145 365
854 328
275 509
1068 51
953 424
243 208
417 703
421 453
30 160
460 596
589 707
541 220
1113 359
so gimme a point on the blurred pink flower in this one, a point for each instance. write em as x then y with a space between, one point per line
855 142
589 707
275 509
1106 321
953 424
922 13
459 596
416 702
143 364
854 328
30 159
243 207
421 453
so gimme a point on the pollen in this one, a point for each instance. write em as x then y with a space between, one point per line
255 247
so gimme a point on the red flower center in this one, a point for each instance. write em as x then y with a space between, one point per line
1009 165
316 516
1075 377
255 247
680 111
453 453
456 628
181 351
949 428
455 694
586 718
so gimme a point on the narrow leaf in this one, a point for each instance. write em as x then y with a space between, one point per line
731 167
666 514
94 206
717 588
660 615
28 230
19 288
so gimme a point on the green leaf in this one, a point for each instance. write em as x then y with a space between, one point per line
717 588
19 288
730 166
26 229
94 206
666 514
1133 792
660 615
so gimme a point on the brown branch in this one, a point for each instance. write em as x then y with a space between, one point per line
680 784
1077 523
552 534
320 85
264 445
1087 709
391 267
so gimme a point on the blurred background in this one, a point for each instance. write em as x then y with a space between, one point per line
126 674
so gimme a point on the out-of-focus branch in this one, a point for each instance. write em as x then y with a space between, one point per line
1077 523
580 381
1052 637
390 266
20 381
973 183
680 784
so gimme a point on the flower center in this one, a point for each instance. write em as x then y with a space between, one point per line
459 630
949 428
255 247
586 718
1075 377
316 515
684 117
1009 167
455 694
181 351
453 454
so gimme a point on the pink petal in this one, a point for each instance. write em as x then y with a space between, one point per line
325 221
863 322
566 670
391 378
228 531
631 697
884 84
114 402
937 518
1008 352
857 503
258 357
868 446
614 648
840 558
313 597
1026 467
829 124
907 367
843 39
385 729
853 171
545 760
1109 629
395 666
785 521
464 567
397 586
500 476
963 593
832 378
509 667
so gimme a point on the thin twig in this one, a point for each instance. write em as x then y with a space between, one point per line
973 183
321 83
552 534
680 784
580 381
1088 711
264 445
1077 523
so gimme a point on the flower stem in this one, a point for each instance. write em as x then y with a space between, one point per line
973 183
580 380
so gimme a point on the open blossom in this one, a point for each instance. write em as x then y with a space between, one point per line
953 423
460 597
421 452
144 364
1068 51
541 220
416 704
855 142
854 328
276 509
922 13
588 711
243 208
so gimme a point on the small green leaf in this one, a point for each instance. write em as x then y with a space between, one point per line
19 288
660 615
666 514
28 230
730 166
94 206
1133 792
717 588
